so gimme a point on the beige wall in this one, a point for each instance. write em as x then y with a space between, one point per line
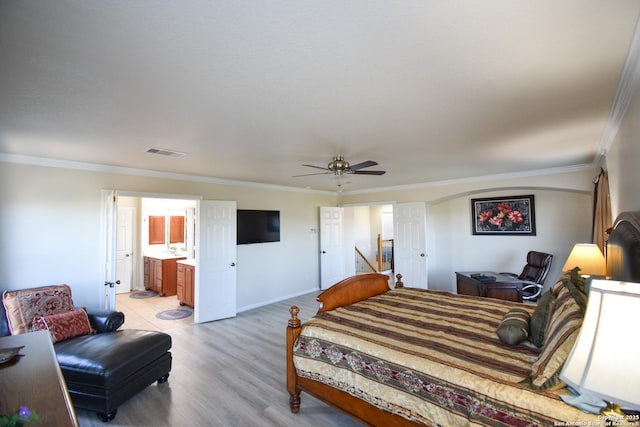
563 208
563 218
50 231
623 161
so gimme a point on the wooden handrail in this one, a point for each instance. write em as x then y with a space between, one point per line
380 256
364 258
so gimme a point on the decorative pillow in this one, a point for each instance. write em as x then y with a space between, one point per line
577 288
514 327
573 280
559 337
540 317
23 306
65 325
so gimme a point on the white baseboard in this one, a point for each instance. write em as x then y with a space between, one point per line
260 304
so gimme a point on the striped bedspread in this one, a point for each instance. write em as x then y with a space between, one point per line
432 357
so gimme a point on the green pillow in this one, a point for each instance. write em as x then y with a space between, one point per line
539 318
514 327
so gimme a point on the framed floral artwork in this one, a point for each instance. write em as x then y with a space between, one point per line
513 216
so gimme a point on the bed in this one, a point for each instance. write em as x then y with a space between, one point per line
407 356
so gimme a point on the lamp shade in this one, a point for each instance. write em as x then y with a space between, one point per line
604 359
588 257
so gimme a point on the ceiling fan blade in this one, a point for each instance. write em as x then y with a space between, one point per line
317 167
366 164
369 172
309 174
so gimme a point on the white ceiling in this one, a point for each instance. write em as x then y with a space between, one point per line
251 90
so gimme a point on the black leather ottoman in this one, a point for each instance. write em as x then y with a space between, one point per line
104 370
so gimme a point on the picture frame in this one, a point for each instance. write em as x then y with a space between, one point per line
506 216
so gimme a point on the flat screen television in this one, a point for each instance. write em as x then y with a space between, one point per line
257 226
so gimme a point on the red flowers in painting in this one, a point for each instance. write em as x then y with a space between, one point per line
486 216
503 208
496 220
513 216
506 215
516 217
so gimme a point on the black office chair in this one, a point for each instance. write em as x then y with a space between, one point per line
534 272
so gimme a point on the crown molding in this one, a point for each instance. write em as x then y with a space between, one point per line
624 93
504 176
95 167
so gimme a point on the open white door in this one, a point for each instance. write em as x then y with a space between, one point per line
332 254
410 243
109 211
124 249
215 287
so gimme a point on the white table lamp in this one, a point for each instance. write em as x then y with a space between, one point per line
588 257
604 359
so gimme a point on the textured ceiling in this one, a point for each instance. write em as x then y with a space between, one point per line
251 90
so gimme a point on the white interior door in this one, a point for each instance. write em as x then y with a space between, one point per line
332 254
190 222
215 287
108 218
124 249
410 243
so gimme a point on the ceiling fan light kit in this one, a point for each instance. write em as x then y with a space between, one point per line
339 166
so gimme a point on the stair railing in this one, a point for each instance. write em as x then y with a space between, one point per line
384 255
362 263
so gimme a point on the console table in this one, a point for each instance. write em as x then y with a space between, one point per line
34 379
505 287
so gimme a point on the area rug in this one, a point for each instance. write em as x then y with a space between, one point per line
174 314
143 294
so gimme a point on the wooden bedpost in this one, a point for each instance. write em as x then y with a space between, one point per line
399 283
293 331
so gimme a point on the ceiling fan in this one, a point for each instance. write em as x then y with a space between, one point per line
339 166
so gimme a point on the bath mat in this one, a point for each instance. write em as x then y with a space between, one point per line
175 314
143 294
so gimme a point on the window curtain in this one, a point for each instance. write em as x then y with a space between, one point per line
602 221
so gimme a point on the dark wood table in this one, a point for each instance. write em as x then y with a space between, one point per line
34 379
505 287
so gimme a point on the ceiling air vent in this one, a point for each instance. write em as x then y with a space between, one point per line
165 152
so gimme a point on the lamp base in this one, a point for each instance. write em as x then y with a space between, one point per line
612 411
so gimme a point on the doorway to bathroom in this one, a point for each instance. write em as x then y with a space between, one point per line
209 246
160 231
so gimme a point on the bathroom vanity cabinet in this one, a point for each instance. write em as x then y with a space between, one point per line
160 274
185 282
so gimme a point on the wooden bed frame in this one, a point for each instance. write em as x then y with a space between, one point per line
623 261
348 291
623 248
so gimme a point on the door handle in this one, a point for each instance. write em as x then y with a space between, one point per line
323 252
233 264
422 255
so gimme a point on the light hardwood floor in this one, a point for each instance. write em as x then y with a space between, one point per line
228 373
